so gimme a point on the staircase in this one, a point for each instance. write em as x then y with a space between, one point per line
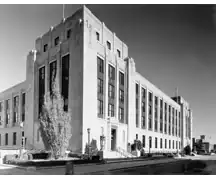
118 153
124 153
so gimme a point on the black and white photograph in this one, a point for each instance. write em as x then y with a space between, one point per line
107 89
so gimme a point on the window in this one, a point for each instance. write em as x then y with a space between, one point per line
121 114
0 106
100 107
161 143
169 144
119 53
150 97
121 78
173 144
14 138
150 142
100 65
6 139
111 91
68 33
179 145
41 87
111 110
100 86
59 128
56 41
7 104
155 142
23 134
121 96
176 144
65 79
143 121
7 118
136 136
108 45
165 143
45 48
23 107
137 89
97 36
111 72
143 93
143 141
15 117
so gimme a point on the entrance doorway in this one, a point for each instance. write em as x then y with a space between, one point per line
113 139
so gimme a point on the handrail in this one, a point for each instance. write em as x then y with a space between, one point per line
123 152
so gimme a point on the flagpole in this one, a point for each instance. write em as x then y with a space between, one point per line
63 12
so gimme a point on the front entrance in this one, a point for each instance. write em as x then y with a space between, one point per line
113 139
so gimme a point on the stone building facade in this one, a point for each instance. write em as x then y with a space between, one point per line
101 88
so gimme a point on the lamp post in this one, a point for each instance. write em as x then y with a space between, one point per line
88 130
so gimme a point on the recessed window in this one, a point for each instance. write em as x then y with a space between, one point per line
14 138
97 36
68 33
108 45
119 53
56 41
6 139
45 47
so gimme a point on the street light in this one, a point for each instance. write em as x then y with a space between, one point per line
88 130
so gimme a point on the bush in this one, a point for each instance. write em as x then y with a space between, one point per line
9 158
187 150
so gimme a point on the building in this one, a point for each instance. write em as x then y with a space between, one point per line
100 86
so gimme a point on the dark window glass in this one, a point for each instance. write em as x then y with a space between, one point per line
121 96
41 87
68 33
100 86
14 138
111 110
45 47
136 136
65 79
98 36
155 142
121 114
108 45
100 65
150 142
143 141
56 41
100 107
111 91
143 93
165 143
0 106
137 89
119 53
111 72
161 143
6 139
121 78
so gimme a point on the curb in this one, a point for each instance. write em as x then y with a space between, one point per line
130 167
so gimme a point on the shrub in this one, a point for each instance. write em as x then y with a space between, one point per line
187 150
9 158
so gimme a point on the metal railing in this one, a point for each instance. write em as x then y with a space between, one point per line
123 152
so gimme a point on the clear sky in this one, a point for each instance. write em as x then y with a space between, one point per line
172 45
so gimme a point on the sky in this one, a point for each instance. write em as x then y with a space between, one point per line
172 45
